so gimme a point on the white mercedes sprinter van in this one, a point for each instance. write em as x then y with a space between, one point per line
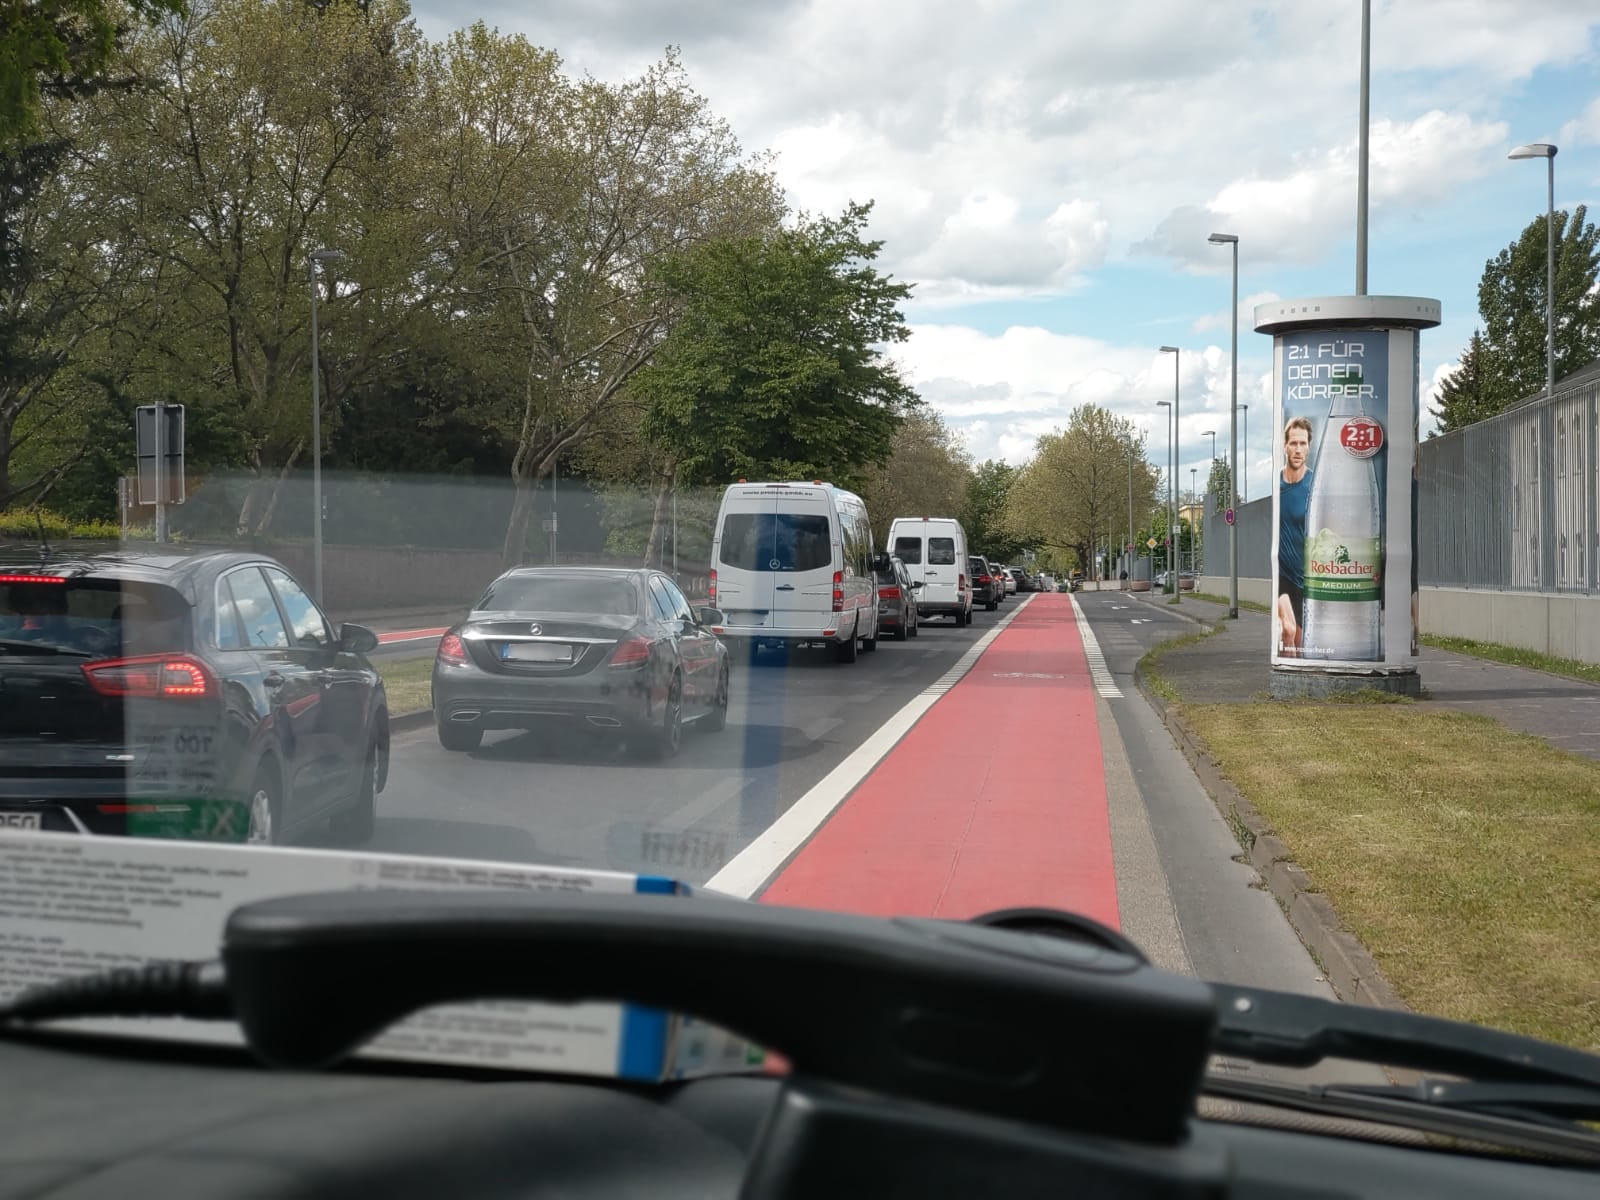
934 550
791 563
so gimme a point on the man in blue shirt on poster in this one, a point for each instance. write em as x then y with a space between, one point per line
1294 498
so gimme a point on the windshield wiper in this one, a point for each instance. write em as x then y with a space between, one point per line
23 646
1300 1031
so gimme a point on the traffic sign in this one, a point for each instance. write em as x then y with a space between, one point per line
1150 543
1228 516
163 462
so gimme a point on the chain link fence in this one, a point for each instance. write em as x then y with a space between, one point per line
1509 504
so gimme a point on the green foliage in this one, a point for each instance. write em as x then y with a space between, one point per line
927 475
1217 483
984 514
1472 392
774 368
23 524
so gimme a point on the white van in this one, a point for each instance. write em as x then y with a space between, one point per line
934 550
792 563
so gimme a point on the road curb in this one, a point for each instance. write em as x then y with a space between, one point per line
1175 609
400 723
1349 968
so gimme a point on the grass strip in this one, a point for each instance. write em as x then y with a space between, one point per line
1213 598
1150 665
1464 856
1516 656
408 684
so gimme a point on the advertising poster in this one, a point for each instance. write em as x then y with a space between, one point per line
1331 486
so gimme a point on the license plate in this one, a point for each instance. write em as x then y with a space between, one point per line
546 652
20 820
747 618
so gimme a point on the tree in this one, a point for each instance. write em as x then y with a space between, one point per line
1474 390
1511 299
927 474
984 513
1074 491
58 49
1217 484
774 368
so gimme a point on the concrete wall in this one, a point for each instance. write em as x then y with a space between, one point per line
1565 626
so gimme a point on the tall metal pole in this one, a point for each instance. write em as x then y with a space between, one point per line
161 472
1130 521
1361 149
1245 492
1177 591
1233 447
316 448
1550 279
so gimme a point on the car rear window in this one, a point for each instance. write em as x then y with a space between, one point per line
107 617
558 593
941 552
908 550
775 542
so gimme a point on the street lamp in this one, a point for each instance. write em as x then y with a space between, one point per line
1212 434
1173 350
1194 499
1229 239
1547 152
317 256
1245 482
1166 538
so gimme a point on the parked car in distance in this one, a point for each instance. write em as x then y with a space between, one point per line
934 550
897 597
201 696
988 588
791 564
1013 578
596 648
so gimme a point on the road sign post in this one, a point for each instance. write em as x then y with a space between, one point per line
158 434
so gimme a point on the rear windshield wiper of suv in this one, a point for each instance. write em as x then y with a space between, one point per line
22 646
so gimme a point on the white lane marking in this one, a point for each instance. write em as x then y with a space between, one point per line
1103 683
749 870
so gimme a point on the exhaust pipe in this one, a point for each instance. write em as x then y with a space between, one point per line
465 715
605 722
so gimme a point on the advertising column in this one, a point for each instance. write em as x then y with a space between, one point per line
1346 403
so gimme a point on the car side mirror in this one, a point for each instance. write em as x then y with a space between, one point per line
710 616
916 583
357 639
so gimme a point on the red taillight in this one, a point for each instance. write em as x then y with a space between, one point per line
983 579
452 649
31 579
711 587
889 593
961 583
151 676
634 652
838 591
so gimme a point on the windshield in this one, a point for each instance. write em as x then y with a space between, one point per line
468 435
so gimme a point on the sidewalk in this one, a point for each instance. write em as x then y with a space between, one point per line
1231 667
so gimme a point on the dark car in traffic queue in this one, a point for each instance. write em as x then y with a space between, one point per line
203 696
988 586
604 649
897 597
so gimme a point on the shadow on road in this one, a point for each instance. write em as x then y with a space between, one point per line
456 839
738 747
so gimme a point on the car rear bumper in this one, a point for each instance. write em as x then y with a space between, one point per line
836 630
600 699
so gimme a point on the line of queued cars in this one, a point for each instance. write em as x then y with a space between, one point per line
792 564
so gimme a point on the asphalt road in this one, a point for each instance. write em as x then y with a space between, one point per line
564 799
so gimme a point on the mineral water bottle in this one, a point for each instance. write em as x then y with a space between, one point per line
1344 540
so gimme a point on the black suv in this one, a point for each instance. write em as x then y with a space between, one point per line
152 695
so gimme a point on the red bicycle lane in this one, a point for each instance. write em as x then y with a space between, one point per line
995 799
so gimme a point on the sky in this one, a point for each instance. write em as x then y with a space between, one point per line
1047 173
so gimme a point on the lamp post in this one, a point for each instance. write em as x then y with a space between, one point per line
1245 482
1547 152
1173 350
1129 556
1212 434
317 256
1229 239
1167 537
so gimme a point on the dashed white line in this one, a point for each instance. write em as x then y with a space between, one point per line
1098 671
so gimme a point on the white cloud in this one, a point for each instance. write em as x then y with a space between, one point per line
1218 320
1584 129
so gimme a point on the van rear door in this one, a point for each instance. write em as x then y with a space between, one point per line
775 560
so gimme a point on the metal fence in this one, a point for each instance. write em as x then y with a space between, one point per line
1510 503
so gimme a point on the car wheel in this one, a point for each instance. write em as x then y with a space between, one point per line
901 630
846 650
355 825
265 826
961 618
992 605
668 737
871 643
717 719
454 736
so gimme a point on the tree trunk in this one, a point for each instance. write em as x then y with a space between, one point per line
658 517
277 490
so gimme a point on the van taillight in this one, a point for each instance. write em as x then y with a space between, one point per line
838 591
711 587
451 650
151 676
961 582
